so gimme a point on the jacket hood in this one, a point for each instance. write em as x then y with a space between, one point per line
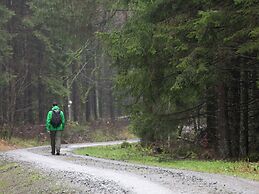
55 108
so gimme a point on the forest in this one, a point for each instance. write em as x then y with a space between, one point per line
178 70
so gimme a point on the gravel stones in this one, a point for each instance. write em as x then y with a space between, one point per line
84 174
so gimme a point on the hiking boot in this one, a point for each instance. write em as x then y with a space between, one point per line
58 153
53 153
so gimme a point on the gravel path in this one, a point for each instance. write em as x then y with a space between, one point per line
92 175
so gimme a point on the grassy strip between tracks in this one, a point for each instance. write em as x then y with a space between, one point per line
136 154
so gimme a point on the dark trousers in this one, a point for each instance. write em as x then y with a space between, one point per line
55 139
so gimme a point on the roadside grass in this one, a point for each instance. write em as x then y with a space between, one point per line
136 154
16 178
8 166
25 143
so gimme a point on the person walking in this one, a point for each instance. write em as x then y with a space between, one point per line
55 124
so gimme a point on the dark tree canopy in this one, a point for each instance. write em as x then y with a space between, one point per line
191 63
170 64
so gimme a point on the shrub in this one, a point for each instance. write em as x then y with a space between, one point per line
125 145
253 157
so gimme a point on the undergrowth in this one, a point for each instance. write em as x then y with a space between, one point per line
137 154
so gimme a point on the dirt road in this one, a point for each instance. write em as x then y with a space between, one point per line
91 175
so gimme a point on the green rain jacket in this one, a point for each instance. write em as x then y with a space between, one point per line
49 127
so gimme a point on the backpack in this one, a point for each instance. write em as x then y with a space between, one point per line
56 119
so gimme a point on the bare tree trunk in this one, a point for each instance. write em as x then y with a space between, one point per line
5 103
40 100
75 101
41 88
93 104
244 113
98 90
234 113
29 97
254 113
87 110
1 107
111 109
75 96
211 118
224 143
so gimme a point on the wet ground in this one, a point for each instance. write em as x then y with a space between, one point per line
84 174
